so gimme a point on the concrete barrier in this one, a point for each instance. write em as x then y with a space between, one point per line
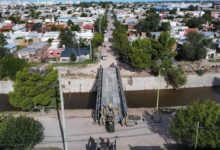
83 84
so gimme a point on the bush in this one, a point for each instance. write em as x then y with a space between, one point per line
200 72
19 133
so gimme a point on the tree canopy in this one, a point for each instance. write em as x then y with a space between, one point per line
120 41
184 125
101 24
34 91
195 48
10 65
150 23
19 133
67 38
97 40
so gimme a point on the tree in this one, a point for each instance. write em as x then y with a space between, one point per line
67 38
165 26
101 23
195 48
83 15
150 23
195 22
140 54
3 41
19 133
3 52
34 91
120 42
10 65
72 57
175 77
184 125
207 16
97 40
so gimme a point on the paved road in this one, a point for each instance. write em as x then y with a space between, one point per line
80 128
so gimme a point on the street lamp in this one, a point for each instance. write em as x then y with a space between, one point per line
156 115
62 113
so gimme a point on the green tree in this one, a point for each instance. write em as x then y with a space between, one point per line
34 91
72 57
207 16
19 133
150 23
83 15
195 47
3 41
165 26
184 125
140 54
67 38
195 22
10 65
3 52
175 77
101 23
120 42
97 40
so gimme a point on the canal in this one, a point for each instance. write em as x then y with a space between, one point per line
136 99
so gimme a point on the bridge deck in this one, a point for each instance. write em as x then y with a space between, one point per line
110 91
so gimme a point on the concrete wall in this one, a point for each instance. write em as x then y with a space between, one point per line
6 87
82 84
141 83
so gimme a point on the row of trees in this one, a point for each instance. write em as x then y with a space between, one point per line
100 24
35 91
142 54
19 133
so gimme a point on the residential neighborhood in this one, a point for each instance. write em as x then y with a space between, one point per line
109 75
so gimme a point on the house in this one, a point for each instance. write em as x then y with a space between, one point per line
187 31
36 52
211 53
11 47
50 35
80 53
84 35
54 52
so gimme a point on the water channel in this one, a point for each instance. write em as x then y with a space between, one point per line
135 99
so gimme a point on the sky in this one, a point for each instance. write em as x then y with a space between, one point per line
63 1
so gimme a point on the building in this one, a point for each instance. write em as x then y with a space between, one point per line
36 52
81 54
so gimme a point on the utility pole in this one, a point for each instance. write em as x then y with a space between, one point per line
91 50
63 114
158 92
197 134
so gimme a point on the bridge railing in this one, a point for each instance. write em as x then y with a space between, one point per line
99 94
121 92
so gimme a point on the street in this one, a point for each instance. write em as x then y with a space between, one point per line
80 127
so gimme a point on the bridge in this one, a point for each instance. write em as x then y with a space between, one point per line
110 100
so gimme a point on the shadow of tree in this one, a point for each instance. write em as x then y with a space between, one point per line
145 148
161 128
215 84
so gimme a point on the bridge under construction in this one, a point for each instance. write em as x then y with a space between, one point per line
111 106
